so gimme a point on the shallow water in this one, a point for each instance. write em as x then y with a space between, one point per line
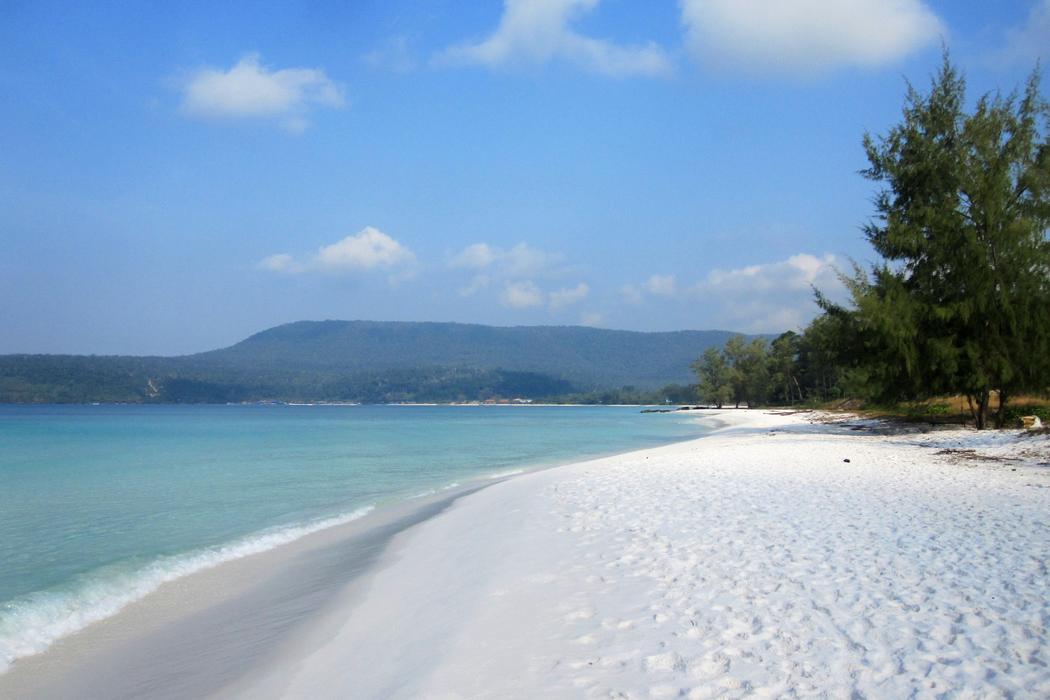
100 505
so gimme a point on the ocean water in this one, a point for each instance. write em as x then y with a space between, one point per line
100 505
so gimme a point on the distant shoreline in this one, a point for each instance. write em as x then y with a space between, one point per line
360 403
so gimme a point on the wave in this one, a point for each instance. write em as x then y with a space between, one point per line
505 474
431 492
32 623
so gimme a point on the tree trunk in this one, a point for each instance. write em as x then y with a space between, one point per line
981 414
1000 415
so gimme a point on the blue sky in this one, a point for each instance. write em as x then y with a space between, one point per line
177 176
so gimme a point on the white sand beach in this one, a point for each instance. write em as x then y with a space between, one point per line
779 556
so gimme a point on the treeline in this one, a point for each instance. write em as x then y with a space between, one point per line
795 368
80 379
631 396
960 302
75 379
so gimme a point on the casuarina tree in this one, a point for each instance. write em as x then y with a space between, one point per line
961 300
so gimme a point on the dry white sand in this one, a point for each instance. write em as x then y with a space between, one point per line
752 562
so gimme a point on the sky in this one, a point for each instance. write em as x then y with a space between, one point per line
177 176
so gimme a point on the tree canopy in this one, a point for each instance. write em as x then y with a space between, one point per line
960 302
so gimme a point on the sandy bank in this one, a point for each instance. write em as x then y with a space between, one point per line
754 561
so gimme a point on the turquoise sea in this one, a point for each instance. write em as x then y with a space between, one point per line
100 505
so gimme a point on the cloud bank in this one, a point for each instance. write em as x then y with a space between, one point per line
763 298
520 261
521 295
515 270
568 296
770 297
252 90
490 263
805 36
536 32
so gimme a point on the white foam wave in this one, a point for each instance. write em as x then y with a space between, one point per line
31 624
503 475
431 492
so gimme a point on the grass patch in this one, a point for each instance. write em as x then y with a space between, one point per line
945 410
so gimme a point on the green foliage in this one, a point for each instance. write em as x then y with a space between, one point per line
1012 415
668 395
750 376
785 386
739 373
379 363
820 368
715 375
961 301
589 358
56 379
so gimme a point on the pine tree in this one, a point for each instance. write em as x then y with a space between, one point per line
961 302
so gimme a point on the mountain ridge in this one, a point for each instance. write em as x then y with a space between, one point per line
372 360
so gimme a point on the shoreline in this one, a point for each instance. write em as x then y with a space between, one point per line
179 600
581 576
239 612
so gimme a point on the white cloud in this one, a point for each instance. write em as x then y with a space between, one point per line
799 272
806 36
664 285
770 297
522 295
524 260
281 262
252 90
476 256
493 263
514 273
369 249
1030 42
520 261
568 296
535 32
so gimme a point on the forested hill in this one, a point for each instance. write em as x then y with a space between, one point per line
372 361
588 357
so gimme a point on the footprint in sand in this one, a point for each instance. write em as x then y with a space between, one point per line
584 614
667 662
716 664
